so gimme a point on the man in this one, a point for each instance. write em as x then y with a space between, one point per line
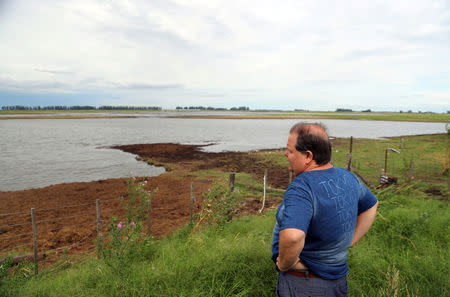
325 210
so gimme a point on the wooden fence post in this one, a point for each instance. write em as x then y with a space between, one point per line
232 179
264 191
149 216
349 156
35 248
411 171
97 202
193 199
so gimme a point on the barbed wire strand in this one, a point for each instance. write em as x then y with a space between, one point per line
18 235
69 226
72 245
14 248
111 199
14 225
68 206
13 213
68 217
47 209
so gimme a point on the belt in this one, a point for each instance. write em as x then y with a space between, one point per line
302 273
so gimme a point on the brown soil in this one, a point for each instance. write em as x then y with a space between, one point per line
66 213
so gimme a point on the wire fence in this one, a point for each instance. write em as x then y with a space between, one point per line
41 234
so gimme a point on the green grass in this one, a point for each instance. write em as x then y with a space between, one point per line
428 153
406 250
406 253
380 116
230 262
377 116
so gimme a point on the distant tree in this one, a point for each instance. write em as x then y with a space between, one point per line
240 108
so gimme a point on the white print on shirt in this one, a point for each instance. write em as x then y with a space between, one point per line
342 201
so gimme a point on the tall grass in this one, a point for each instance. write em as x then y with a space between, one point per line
234 261
406 253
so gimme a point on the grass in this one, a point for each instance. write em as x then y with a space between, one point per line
406 253
377 116
381 116
428 154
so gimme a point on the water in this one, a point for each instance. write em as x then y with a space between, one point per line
41 152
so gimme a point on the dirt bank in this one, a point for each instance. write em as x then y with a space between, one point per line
66 213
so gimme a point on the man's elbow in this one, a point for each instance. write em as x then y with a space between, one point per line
292 237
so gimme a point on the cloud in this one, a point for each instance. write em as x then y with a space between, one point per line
286 52
53 71
138 86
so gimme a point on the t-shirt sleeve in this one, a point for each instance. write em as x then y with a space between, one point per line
366 198
297 209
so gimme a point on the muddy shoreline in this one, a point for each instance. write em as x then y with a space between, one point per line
66 213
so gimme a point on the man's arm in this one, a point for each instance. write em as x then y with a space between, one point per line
291 244
364 222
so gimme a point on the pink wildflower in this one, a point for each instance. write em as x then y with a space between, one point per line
132 223
119 226
145 181
131 172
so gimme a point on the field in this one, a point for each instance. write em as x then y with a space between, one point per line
377 116
405 254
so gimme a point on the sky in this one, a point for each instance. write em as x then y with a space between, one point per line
313 55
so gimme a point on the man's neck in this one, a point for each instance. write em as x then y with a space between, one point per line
314 167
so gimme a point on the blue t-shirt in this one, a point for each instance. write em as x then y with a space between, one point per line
324 204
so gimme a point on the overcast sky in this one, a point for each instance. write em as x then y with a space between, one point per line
315 55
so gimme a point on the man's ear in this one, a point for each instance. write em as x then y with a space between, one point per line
309 156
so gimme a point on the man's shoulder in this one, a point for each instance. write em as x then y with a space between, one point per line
327 175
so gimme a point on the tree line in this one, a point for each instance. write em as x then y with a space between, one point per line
79 107
211 108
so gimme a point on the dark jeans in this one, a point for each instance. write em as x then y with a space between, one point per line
297 286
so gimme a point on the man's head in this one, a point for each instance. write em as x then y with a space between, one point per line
308 146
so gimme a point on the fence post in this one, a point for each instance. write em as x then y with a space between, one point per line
35 248
411 171
149 216
232 179
192 203
349 156
264 191
97 202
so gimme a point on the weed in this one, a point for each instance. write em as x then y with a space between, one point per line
118 245
219 205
